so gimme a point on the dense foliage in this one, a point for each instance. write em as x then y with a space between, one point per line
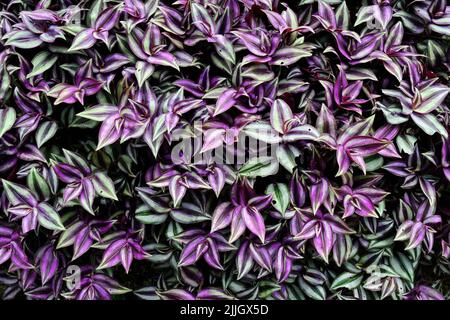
354 204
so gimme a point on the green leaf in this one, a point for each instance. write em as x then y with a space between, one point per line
155 203
38 184
74 159
280 196
263 131
347 280
259 167
95 10
432 98
291 86
145 215
434 52
41 62
45 132
23 39
143 71
343 15
355 74
104 186
393 114
280 113
214 93
314 292
17 194
188 215
99 112
225 49
49 218
289 55
406 143
67 237
83 40
258 72
303 132
402 266
373 163
7 119
429 124
365 14
286 155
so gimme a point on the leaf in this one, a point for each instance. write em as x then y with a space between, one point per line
429 124
147 293
280 113
303 132
402 266
432 98
111 256
104 186
258 72
143 72
314 292
18 194
393 114
259 167
224 48
67 237
263 131
7 119
291 86
83 40
403 231
289 55
373 163
343 16
188 215
110 131
394 69
146 216
360 128
434 52
49 264
45 132
23 39
225 101
38 184
406 143
280 196
428 190
99 112
347 280
355 74
286 155
318 192
213 294
221 217
200 14
42 62
254 222
154 202
49 218
87 195
164 59
176 190
364 146
75 159
365 14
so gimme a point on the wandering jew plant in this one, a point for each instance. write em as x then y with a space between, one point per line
224 149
